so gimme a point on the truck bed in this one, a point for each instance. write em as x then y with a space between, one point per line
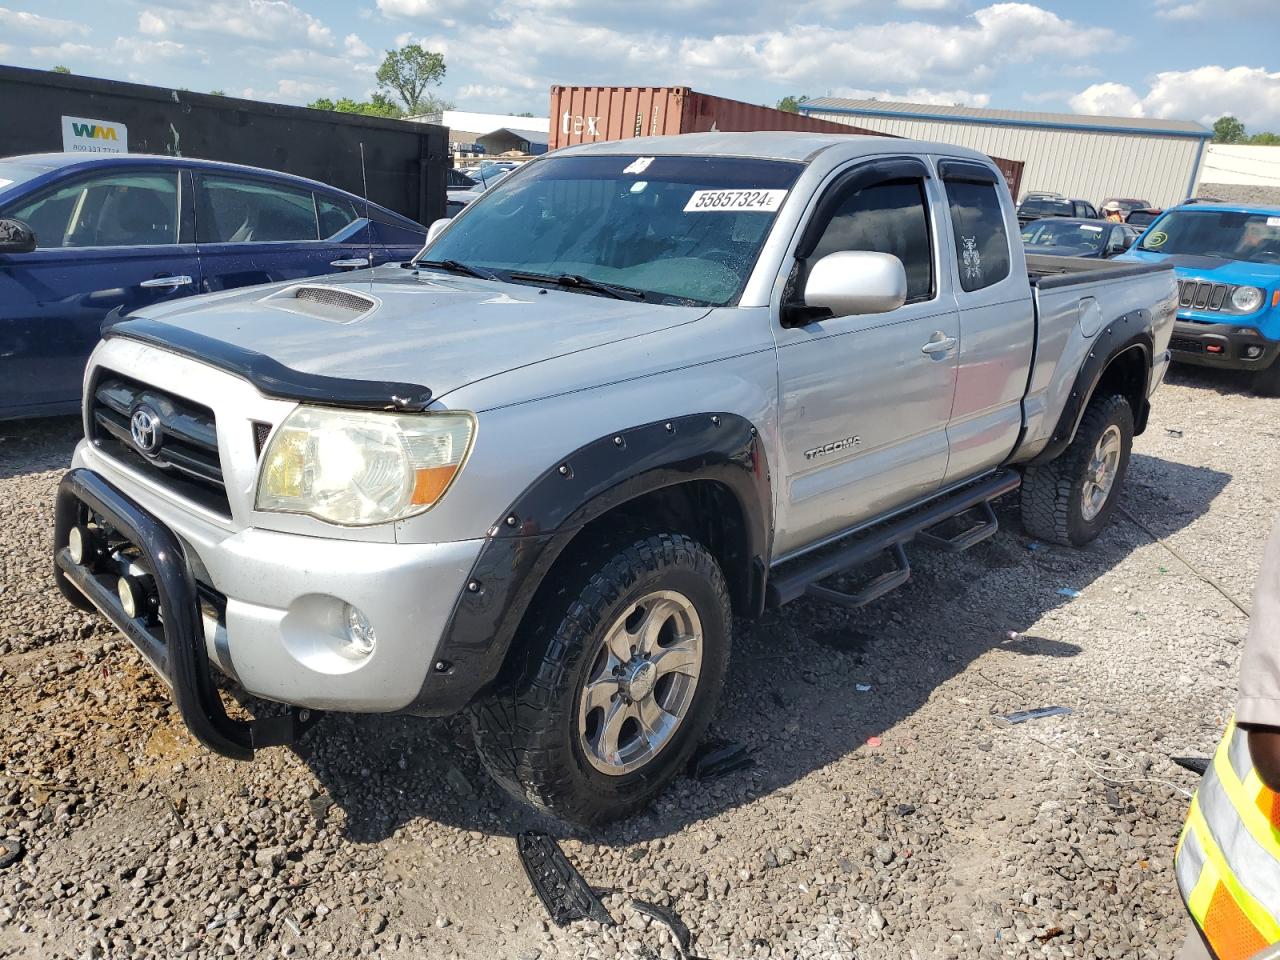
1047 272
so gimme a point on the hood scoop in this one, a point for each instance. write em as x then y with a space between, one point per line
334 304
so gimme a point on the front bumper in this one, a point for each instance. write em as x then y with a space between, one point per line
273 617
1229 346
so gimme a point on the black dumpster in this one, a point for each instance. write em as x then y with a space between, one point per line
43 112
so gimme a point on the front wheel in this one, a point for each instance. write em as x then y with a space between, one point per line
1266 383
623 671
1070 500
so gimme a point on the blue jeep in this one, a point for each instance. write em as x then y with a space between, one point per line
114 233
1227 257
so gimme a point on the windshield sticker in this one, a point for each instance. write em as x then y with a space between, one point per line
639 186
1090 229
1271 221
638 165
1157 239
731 201
972 259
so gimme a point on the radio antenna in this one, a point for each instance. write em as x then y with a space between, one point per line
368 223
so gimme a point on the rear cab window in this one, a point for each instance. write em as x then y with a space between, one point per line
978 226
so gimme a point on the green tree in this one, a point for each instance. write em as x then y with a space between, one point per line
218 93
1265 140
790 104
61 69
1227 129
376 106
524 113
408 72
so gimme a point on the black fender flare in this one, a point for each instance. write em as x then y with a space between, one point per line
524 542
1132 331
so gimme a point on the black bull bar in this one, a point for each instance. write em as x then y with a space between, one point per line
172 642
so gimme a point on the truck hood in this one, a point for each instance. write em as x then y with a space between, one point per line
441 331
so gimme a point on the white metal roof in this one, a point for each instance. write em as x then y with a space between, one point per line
957 114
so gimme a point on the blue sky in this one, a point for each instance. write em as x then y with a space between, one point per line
1186 59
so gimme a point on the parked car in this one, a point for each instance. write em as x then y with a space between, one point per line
1126 204
1142 218
1078 238
458 199
632 392
1202 200
1227 257
457 180
108 234
1038 206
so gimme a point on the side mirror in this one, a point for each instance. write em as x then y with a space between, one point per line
855 282
16 237
437 228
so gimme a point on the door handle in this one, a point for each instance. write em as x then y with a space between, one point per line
180 281
352 262
938 343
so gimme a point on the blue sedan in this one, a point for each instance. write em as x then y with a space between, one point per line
114 233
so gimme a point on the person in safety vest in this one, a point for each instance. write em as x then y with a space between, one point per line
1228 857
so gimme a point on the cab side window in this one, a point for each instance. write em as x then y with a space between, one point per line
235 210
889 217
982 245
114 210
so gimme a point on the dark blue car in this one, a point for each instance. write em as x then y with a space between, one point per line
116 233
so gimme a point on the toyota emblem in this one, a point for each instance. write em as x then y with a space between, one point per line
144 427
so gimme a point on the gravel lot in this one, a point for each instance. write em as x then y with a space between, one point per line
954 835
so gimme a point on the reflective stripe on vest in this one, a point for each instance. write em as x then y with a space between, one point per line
1228 858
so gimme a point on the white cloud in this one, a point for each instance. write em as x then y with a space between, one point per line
479 91
1202 94
1108 99
1173 10
355 47
942 98
292 91
123 50
151 24
21 21
262 21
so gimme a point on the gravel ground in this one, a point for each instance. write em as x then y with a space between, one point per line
952 835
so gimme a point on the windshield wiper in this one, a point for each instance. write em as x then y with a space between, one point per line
454 266
579 282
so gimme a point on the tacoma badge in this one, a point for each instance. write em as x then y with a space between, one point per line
832 447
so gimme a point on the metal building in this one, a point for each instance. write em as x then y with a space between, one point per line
1077 155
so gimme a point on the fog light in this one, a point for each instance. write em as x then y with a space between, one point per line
129 590
75 545
1253 352
360 636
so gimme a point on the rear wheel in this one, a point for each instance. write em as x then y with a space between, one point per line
621 677
1070 500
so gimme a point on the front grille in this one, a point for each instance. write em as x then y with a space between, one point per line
1186 345
185 456
1202 295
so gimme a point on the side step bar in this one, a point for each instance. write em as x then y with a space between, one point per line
803 576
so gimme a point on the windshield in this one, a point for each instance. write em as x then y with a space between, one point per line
1251 237
14 173
680 229
1060 233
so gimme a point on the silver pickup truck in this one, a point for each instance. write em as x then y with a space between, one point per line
633 391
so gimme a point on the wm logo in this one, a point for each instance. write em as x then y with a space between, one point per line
93 131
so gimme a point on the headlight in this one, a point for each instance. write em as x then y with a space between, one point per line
357 468
1247 299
